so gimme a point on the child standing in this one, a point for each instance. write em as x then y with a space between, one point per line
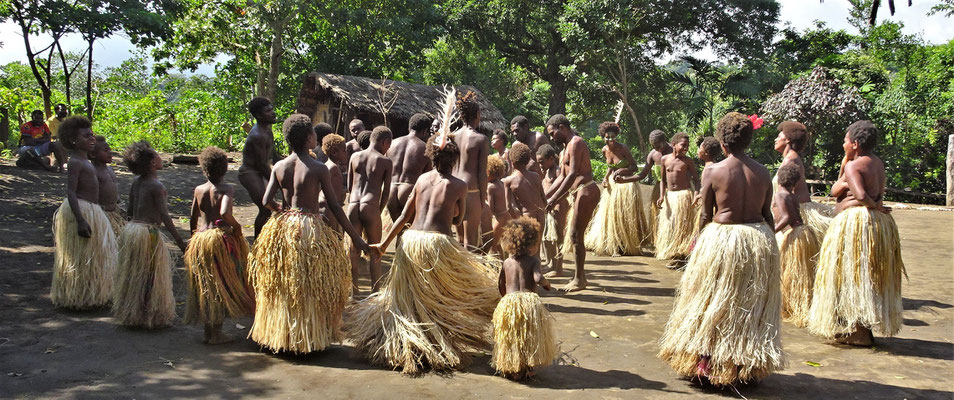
498 201
217 253
333 147
798 248
553 229
142 295
85 254
523 328
526 186
678 215
102 156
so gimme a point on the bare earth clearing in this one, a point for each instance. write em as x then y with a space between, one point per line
55 353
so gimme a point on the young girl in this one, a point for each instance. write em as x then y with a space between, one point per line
798 248
142 294
85 254
678 216
217 253
523 328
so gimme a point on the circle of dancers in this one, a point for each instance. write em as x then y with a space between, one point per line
476 233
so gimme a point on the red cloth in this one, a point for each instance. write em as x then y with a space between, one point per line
35 132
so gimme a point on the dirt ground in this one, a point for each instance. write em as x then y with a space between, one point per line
608 333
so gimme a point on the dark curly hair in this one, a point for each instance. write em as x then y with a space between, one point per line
796 133
788 175
330 143
711 146
257 104
502 135
863 132
138 156
609 127
546 151
381 134
468 106
214 162
322 129
520 154
364 139
69 130
520 236
420 122
657 137
520 121
296 129
679 136
442 159
557 120
734 130
496 167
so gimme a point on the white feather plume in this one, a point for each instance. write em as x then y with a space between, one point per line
619 110
447 114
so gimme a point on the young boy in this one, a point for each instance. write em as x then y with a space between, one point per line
858 281
523 328
661 148
369 182
798 247
499 143
101 156
217 253
85 245
725 323
555 224
438 299
791 141
678 216
333 146
709 151
143 296
298 266
619 225
498 202
472 168
526 186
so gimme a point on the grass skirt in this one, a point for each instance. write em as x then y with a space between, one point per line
523 334
727 309
619 226
858 280
678 225
82 267
436 303
798 251
302 280
215 261
116 220
142 294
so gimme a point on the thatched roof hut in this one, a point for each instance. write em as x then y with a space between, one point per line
337 99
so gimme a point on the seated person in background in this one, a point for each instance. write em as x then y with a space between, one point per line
36 143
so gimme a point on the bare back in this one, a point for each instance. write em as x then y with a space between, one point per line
737 190
866 179
802 193
209 199
370 170
474 149
408 160
519 274
147 196
438 200
298 178
527 189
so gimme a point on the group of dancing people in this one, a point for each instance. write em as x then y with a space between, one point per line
470 230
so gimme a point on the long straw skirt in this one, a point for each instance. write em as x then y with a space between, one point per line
678 225
726 317
798 250
619 226
858 281
82 267
436 304
142 294
218 289
301 276
816 216
523 334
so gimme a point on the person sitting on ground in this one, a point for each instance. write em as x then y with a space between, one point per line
60 112
36 144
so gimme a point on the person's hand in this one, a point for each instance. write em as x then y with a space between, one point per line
697 199
885 209
377 249
550 205
83 229
659 202
362 246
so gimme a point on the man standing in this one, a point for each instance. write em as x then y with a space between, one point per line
576 176
256 167
36 143
355 127
520 128
408 162
472 168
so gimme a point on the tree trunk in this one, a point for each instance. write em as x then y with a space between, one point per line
44 84
640 143
558 89
89 79
259 74
950 170
66 72
275 53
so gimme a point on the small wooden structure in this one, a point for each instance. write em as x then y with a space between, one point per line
337 99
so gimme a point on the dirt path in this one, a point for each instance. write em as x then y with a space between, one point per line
54 353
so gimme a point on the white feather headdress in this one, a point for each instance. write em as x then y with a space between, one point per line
447 115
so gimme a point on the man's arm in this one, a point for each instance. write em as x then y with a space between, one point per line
482 169
693 174
268 200
708 200
407 215
767 207
194 215
573 172
386 184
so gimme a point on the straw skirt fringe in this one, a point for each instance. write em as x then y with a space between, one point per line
619 226
116 220
798 250
301 276
218 289
726 318
142 294
858 280
436 303
817 216
82 267
678 225
523 334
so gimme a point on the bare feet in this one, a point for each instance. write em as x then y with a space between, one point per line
575 285
220 338
861 337
553 273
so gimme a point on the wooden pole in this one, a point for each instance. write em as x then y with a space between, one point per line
950 170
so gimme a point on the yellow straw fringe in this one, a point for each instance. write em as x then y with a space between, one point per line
116 220
142 295
436 303
798 250
817 216
728 307
652 223
302 281
859 275
215 262
82 267
677 226
619 226
523 334
567 246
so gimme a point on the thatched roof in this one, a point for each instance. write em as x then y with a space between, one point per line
362 93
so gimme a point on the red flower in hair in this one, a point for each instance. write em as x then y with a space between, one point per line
756 121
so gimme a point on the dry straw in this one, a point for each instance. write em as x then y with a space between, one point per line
798 250
215 262
677 226
523 334
619 226
82 267
116 220
142 293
